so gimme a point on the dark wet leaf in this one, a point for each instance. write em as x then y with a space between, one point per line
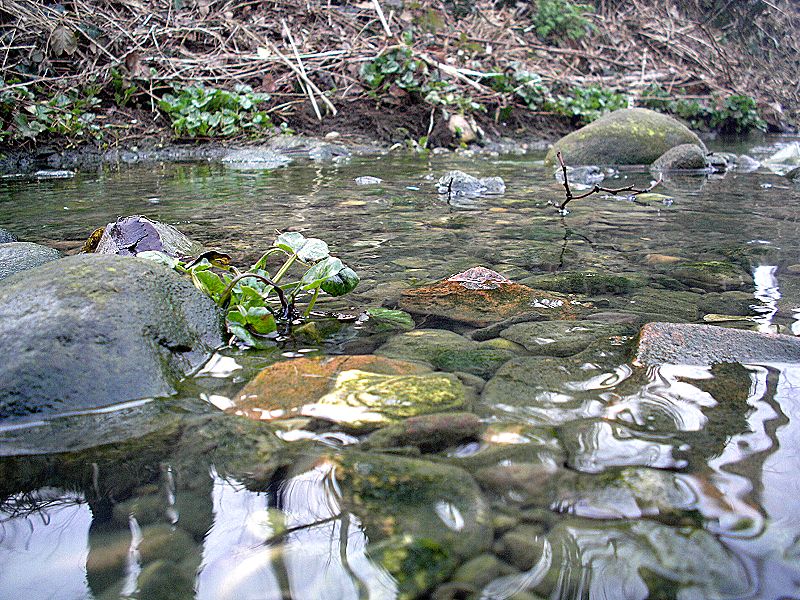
343 282
214 257
91 242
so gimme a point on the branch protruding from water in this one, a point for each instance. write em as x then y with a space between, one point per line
633 191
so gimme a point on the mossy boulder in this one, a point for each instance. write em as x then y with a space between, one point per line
429 433
448 351
20 256
356 391
631 136
422 519
92 330
686 157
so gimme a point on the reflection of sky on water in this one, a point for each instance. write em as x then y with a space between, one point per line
43 554
322 557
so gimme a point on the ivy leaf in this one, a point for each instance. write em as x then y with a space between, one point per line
63 41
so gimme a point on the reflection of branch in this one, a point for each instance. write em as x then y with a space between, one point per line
569 196
290 530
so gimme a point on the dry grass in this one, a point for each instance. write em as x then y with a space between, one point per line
312 50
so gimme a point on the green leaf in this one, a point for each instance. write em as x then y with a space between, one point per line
208 282
244 336
385 319
261 320
291 241
314 250
159 257
325 269
344 282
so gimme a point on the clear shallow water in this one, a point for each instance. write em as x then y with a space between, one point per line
598 479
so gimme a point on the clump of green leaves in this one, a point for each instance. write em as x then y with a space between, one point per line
736 113
259 302
71 114
399 67
555 19
585 104
200 111
525 85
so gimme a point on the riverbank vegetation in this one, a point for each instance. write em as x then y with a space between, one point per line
109 73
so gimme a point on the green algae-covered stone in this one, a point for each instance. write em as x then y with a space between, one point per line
631 136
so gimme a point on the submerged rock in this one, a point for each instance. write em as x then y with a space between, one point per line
20 256
458 183
480 297
88 331
422 519
429 433
681 158
561 338
589 283
712 275
448 351
129 236
632 136
708 344
357 391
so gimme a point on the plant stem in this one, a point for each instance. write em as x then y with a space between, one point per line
281 296
285 267
311 302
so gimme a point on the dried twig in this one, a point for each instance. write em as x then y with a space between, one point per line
631 189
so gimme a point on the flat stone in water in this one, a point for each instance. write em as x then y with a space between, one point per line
706 344
255 160
561 338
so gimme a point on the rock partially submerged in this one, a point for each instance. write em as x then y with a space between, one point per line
255 159
686 157
20 256
129 236
6 236
356 391
480 297
631 136
89 331
458 183
707 344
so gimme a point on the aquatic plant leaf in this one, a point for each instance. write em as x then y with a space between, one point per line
208 282
261 320
325 269
343 282
314 250
291 241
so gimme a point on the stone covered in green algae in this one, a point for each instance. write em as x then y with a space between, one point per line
562 338
585 282
361 399
449 351
712 275
631 136
357 391
681 158
423 519
665 305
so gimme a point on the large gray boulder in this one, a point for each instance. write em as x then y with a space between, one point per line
20 256
93 330
631 136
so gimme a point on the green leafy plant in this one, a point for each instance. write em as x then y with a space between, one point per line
561 18
738 113
70 114
257 302
585 104
200 111
525 85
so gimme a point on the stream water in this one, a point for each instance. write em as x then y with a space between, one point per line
596 479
